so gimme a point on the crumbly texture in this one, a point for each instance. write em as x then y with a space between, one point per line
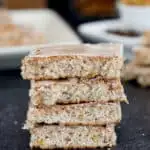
51 137
136 72
66 61
76 91
76 114
15 35
142 55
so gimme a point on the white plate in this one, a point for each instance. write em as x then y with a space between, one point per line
97 32
55 29
135 16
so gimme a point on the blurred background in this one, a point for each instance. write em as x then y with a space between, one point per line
74 11
25 24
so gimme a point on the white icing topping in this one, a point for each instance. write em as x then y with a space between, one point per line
80 49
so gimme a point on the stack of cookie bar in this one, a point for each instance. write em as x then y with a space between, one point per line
75 95
139 68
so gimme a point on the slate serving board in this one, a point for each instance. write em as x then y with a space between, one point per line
133 133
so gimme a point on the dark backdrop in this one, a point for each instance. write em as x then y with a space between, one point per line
67 10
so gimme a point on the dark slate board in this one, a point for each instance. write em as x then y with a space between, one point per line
133 133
